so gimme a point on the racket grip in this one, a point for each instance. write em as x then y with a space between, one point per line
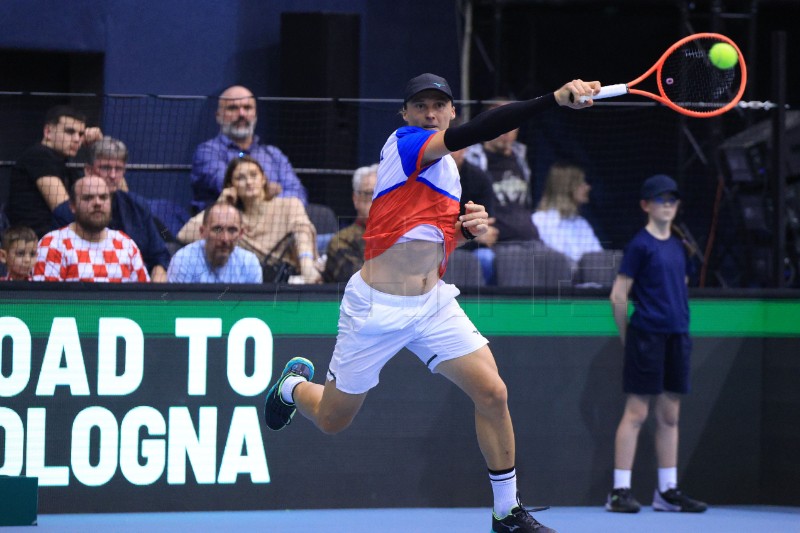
608 91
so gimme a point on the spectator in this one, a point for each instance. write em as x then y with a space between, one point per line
87 250
40 179
504 158
107 159
345 253
236 116
18 253
216 258
557 220
275 229
476 185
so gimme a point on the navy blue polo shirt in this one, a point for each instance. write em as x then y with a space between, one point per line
659 293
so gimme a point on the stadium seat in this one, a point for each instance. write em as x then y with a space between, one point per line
598 269
171 214
464 269
326 223
531 264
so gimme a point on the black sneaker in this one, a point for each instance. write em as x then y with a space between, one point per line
519 520
674 500
277 412
622 501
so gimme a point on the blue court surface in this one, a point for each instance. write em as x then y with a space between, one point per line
737 519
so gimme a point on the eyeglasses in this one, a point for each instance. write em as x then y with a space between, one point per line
232 231
365 194
108 169
665 199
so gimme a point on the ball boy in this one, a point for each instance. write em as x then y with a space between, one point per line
657 348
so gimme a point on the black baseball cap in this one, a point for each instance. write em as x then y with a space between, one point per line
426 81
659 184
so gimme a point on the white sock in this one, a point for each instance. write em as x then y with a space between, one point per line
504 486
622 479
667 478
288 388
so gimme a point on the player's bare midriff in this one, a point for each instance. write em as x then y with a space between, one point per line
406 269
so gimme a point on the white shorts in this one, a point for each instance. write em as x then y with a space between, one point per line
374 326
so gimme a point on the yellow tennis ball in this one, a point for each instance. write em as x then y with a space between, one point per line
723 56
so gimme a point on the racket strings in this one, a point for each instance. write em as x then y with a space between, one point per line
689 79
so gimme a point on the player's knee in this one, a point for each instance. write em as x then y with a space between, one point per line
493 396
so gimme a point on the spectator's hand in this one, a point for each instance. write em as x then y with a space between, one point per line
570 94
273 190
92 135
309 272
158 275
475 219
228 196
490 237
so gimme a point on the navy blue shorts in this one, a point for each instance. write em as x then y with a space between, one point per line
656 362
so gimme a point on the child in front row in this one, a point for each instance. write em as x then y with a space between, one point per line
18 253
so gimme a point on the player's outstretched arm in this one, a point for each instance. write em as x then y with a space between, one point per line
494 122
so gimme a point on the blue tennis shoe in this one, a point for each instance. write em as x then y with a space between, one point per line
277 413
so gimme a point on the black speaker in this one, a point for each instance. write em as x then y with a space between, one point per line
320 59
319 55
755 212
746 154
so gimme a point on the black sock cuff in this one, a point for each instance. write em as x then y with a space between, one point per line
501 472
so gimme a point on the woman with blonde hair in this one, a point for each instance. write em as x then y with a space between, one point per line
275 229
557 219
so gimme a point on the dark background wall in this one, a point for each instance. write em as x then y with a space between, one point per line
200 47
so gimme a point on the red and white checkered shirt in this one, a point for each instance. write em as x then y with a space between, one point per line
63 256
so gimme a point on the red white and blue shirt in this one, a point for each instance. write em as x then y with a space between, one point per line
411 200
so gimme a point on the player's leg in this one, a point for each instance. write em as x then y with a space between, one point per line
477 375
371 331
330 409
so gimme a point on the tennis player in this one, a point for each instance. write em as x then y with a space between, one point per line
398 298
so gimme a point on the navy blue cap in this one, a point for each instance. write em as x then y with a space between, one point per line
659 184
427 81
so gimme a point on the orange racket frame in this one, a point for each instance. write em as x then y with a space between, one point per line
610 91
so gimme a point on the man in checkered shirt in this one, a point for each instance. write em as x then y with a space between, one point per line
87 250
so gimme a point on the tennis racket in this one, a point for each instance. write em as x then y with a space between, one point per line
688 81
